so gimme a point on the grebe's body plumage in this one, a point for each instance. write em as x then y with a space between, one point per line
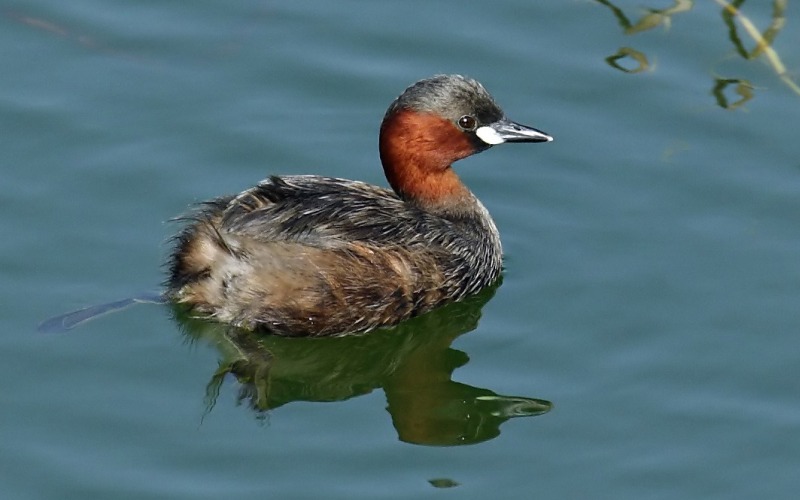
310 256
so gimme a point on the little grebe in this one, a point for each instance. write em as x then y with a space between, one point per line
305 255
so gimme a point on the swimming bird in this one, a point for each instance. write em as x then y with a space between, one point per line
307 255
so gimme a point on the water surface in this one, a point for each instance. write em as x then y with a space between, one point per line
651 284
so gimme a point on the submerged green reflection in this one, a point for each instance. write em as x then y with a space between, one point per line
627 53
732 17
742 88
652 17
412 362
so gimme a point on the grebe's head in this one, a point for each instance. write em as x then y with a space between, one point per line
434 123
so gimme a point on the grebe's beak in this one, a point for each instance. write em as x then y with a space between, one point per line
504 130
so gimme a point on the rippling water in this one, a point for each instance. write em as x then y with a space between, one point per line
643 343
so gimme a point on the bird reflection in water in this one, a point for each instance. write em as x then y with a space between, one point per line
412 362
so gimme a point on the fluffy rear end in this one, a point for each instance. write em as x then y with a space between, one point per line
295 289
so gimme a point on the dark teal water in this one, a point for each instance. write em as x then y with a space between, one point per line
651 288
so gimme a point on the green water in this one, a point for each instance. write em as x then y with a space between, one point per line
651 287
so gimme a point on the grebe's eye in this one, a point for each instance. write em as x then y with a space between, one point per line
467 122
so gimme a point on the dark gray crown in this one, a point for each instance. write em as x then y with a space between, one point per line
450 96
